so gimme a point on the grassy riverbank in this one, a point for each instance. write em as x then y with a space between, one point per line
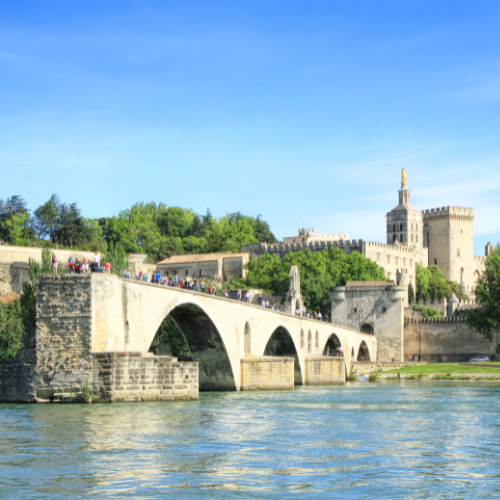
446 368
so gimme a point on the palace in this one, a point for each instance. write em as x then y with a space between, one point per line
438 236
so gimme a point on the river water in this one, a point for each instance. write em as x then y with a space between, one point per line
360 441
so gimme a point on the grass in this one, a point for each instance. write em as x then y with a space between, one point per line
445 369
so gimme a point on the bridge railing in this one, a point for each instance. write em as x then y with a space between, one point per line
317 353
234 296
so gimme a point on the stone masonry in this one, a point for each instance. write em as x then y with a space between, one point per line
267 373
66 362
325 371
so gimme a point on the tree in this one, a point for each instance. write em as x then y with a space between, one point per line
117 257
318 272
11 329
431 283
486 318
411 293
44 218
170 338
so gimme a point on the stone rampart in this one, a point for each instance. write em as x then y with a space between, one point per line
267 373
445 340
17 377
325 370
127 376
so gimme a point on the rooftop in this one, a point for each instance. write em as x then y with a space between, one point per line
179 259
369 283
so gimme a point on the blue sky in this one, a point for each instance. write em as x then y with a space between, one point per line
303 112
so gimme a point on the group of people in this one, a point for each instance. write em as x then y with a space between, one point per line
77 267
314 315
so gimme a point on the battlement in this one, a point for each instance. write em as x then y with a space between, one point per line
479 258
443 321
393 248
448 212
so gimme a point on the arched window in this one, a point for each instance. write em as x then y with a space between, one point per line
394 227
401 228
316 343
412 237
394 238
401 240
417 238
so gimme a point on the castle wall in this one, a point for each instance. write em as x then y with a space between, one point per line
17 377
232 267
10 254
378 306
445 340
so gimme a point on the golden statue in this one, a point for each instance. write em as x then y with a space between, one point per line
403 179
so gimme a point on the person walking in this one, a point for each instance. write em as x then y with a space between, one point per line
54 263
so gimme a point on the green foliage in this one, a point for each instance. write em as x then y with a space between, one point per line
430 312
11 329
28 295
86 392
373 377
153 229
431 283
486 318
318 272
411 293
117 257
170 338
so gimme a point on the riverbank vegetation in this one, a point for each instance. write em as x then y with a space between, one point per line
486 318
445 369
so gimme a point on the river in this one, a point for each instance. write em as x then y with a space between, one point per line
361 441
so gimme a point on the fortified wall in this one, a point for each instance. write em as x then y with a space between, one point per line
443 340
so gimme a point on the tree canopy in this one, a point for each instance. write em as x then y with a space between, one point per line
154 229
486 318
318 272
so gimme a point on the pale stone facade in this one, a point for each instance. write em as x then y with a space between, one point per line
448 237
309 236
213 265
267 373
376 308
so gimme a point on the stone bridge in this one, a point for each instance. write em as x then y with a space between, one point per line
96 331
126 315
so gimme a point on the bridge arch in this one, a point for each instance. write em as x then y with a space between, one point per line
281 343
206 345
363 352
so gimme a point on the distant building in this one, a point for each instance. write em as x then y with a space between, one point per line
206 265
309 236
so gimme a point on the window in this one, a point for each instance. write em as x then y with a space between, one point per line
458 252
401 226
355 309
412 237
388 259
396 259
416 227
378 255
412 226
404 262
394 227
401 239
417 238
384 309
435 262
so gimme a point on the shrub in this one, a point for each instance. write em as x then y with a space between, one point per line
373 377
11 329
